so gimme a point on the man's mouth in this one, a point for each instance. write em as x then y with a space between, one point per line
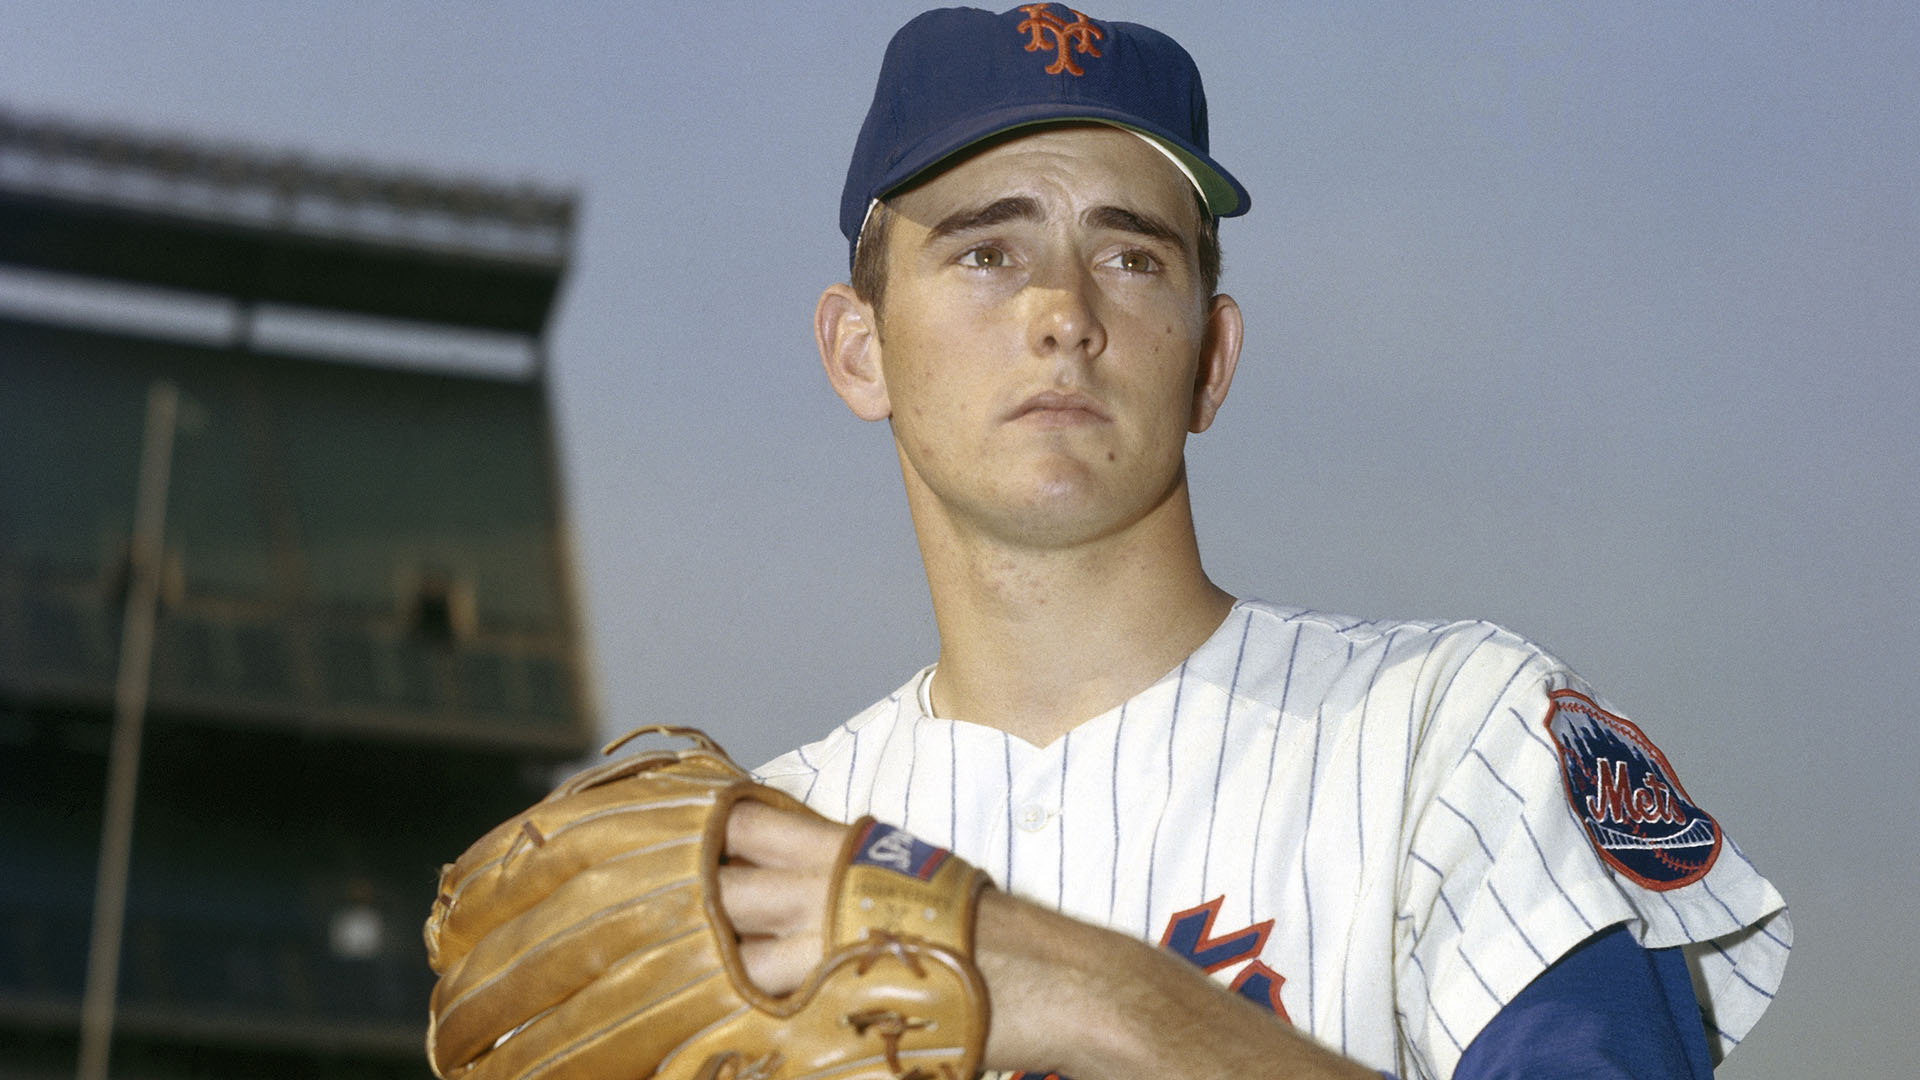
1059 406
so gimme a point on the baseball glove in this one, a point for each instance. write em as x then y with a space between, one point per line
585 938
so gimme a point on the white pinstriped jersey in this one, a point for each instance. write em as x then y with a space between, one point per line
1362 824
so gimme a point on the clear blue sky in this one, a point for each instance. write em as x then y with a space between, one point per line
1602 324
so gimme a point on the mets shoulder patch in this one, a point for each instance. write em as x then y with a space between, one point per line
1627 797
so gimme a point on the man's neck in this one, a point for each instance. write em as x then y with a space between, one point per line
1035 642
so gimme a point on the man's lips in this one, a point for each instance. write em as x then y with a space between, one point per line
1058 406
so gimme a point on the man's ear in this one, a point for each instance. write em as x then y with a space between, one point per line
846 331
1219 355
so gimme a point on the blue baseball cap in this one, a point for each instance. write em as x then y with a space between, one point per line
956 77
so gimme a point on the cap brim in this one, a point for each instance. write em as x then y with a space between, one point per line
1224 196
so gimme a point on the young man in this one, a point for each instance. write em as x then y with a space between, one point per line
1408 847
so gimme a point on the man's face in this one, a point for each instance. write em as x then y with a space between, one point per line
1046 345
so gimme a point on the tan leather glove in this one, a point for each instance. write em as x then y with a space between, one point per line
585 938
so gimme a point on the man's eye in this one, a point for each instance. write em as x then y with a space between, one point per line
1135 262
984 258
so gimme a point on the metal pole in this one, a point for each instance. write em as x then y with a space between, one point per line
129 717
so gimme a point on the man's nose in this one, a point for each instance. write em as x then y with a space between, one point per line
1064 317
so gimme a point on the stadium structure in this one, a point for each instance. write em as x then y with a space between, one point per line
286 604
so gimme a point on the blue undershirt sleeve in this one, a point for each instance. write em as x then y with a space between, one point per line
1608 1010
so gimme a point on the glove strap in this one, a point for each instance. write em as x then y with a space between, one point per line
891 882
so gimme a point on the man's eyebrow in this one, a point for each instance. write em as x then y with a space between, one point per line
1122 219
994 213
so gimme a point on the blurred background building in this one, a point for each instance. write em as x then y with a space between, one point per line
366 650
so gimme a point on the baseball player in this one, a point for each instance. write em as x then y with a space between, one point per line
1229 836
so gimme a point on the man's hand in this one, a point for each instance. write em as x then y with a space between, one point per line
773 887
584 937
1066 996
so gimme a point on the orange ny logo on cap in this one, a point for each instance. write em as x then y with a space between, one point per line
1079 34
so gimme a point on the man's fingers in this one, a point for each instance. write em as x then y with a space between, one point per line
766 836
777 914
765 901
780 965
774 890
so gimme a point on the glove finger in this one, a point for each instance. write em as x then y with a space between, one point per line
568 940
517 864
622 1024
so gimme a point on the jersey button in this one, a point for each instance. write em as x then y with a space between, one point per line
1031 818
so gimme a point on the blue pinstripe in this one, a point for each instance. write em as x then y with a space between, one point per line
853 763
1667 899
913 759
1495 893
1060 873
1413 704
1153 846
1539 852
1481 728
1220 761
1534 731
1765 931
1113 787
1477 977
1006 756
1273 753
808 798
1441 892
1432 1007
1734 966
1440 699
1306 868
